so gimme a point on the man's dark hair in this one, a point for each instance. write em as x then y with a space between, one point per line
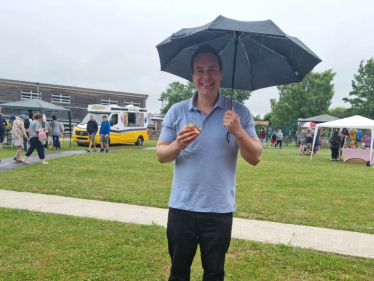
206 49
54 117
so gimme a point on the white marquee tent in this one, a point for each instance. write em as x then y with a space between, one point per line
356 121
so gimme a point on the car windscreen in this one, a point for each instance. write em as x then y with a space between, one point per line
98 117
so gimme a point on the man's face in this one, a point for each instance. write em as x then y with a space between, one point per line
91 118
206 76
104 119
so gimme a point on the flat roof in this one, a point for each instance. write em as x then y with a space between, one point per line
79 89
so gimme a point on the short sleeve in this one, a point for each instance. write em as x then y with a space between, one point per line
168 131
246 120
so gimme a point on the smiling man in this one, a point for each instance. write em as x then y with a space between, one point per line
202 199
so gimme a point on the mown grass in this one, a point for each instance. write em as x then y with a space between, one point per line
284 187
8 152
38 246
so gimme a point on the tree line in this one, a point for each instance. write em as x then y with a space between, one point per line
311 97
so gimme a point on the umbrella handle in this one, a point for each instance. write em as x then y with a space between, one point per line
237 34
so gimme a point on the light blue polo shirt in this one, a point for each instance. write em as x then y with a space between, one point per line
205 171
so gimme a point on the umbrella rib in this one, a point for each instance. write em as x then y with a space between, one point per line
267 48
249 63
195 45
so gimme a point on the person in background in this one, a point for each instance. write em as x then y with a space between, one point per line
273 139
26 123
359 136
56 129
268 135
308 141
92 130
47 129
11 120
343 136
352 139
334 146
3 123
295 137
18 133
367 139
262 136
317 144
104 134
35 128
303 134
279 138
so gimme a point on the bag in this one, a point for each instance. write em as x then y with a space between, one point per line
26 123
335 140
42 137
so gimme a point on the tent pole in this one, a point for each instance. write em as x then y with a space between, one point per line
314 140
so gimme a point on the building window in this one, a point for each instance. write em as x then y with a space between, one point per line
29 95
63 98
109 102
135 103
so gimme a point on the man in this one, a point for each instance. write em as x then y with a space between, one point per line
91 130
26 123
104 135
279 139
359 136
202 199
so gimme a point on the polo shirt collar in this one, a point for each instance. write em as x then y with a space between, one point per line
220 102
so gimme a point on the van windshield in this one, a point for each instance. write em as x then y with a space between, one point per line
98 117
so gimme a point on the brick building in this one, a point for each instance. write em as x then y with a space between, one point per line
74 98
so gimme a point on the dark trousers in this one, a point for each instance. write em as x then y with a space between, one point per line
36 144
25 142
186 230
56 141
334 152
280 143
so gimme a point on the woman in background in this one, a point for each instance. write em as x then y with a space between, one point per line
367 139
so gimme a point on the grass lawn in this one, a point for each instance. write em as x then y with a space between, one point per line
284 187
8 152
38 246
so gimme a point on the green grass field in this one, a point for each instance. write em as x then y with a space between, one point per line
284 187
38 246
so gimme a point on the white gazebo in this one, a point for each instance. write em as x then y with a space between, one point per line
356 121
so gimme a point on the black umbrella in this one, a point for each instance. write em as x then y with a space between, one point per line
255 55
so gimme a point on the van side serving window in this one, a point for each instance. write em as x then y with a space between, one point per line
113 120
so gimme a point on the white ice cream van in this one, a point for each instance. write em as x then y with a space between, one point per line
127 124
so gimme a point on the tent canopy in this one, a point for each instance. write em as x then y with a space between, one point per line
34 104
39 105
356 121
319 118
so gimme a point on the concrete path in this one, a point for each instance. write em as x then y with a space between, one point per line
7 164
321 239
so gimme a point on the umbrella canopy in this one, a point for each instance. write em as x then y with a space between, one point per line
308 125
254 54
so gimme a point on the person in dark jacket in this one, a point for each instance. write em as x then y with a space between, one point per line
92 130
104 134
335 144
3 123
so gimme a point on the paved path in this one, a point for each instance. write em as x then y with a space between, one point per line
7 164
321 239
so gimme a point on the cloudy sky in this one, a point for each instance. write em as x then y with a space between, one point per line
111 44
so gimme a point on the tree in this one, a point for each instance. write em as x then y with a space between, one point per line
363 90
238 95
310 97
340 112
177 92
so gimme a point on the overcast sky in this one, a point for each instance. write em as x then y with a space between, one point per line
110 44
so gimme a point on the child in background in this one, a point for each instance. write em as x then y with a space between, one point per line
309 141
